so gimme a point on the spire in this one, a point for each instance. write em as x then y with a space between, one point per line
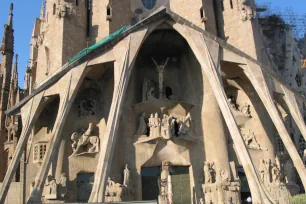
7 44
42 11
10 19
15 73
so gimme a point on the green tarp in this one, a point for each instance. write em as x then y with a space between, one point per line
105 40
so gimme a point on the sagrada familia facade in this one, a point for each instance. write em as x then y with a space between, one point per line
158 101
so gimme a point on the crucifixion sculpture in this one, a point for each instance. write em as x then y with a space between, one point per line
160 69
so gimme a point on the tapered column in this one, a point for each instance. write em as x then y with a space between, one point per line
123 69
294 110
72 81
29 115
256 76
215 139
208 57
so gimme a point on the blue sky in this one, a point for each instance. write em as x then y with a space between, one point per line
25 12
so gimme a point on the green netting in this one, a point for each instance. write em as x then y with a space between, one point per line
97 45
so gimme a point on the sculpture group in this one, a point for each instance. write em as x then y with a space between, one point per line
116 192
166 127
54 190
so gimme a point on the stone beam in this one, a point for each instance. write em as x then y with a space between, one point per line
257 78
72 81
294 110
207 53
29 114
124 65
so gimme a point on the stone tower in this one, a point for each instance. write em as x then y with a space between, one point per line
7 51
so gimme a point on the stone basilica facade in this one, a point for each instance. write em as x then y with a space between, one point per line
168 101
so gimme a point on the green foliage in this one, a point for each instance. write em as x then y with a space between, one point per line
299 199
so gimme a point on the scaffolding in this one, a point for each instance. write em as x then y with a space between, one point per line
296 21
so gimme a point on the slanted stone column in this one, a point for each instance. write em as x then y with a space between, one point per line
215 135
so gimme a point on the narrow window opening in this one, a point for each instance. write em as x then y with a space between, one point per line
54 9
108 12
47 60
77 2
168 92
88 17
217 18
231 2
202 14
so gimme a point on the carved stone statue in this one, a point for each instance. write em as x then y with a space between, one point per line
154 124
165 184
63 180
166 132
51 188
160 69
90 143
87 107
246 110
185 130
127 177
164 178
223 175
208 172
275 174
250 140
148 90
142 128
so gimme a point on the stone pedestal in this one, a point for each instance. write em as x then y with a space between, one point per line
220 193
